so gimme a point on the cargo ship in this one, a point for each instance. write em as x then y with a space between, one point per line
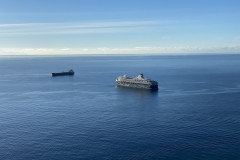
69 73
138 82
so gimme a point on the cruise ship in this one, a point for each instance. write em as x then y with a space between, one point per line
138 82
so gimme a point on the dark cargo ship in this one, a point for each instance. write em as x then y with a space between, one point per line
69 73
138 82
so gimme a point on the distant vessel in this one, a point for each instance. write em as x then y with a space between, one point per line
138 82
69 73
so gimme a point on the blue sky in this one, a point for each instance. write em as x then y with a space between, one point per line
119 27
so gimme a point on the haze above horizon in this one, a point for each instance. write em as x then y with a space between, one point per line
30 27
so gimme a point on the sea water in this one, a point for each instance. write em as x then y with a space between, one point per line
195 114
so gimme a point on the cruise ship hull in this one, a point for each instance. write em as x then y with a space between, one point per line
138 85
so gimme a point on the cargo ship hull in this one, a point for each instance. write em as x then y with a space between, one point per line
63 74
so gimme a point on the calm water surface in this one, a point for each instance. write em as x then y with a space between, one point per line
195 114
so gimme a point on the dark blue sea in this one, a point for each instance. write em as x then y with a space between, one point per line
195 114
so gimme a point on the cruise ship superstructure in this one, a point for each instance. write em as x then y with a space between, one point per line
138 82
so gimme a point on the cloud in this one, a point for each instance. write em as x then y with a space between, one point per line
75 28
109 50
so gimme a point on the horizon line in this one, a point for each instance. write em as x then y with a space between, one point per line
128 54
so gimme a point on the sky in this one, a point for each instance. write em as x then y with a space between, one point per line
48 27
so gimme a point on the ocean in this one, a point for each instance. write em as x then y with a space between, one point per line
195 114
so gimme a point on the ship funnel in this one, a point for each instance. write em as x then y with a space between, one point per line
140 76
